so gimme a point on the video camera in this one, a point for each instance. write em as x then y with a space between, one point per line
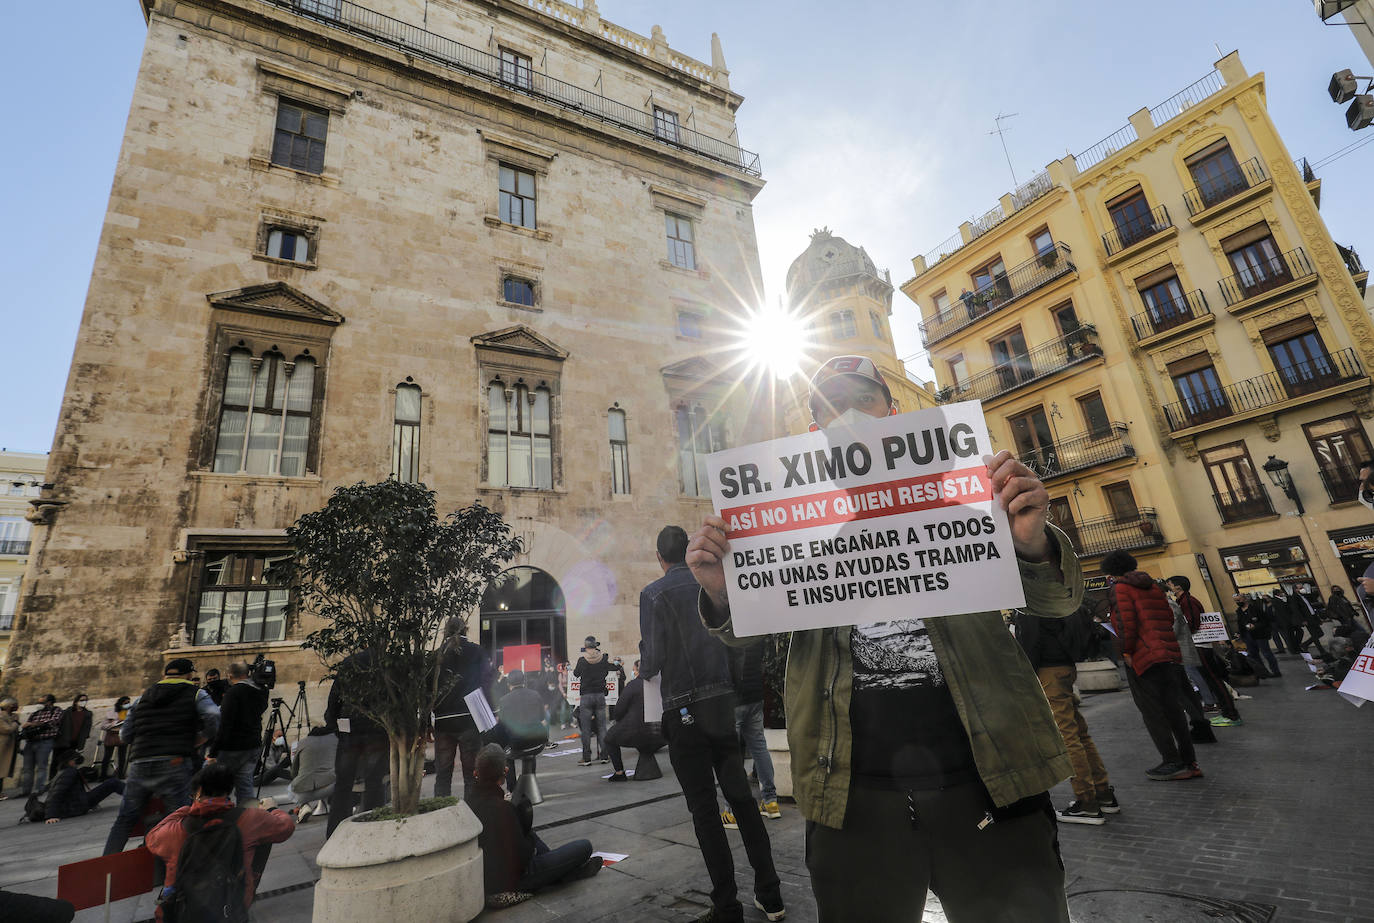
263 672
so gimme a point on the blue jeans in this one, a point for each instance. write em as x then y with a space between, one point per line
1204 691
749 727
242 762
550 866
168 778
592 706
37 755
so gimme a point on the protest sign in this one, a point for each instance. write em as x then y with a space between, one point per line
889 518
1213 628
524 657
612 688
1358 685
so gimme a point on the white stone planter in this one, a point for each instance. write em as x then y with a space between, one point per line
1098 676
782 760
427 867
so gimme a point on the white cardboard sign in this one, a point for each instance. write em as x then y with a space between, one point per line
1358 685
1213 628
891 518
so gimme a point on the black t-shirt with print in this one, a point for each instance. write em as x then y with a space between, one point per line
907 732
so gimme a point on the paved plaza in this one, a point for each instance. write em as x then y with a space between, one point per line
1279 829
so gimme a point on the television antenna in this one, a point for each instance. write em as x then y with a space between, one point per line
1000 132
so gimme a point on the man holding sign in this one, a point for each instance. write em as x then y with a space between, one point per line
922 747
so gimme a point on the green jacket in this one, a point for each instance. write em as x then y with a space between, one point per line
1016 744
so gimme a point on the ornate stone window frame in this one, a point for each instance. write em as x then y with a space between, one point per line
519 355
277 82
500 149
308 226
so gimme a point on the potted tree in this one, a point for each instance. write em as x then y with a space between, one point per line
383 572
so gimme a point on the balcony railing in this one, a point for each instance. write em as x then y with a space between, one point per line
1264 390
1341 485
1239 507
1166 315
1308 174
1094 537
1035 272
414 40
1135 231
1266 275
1084 450
15 547
1231 182
1032 365
1351 259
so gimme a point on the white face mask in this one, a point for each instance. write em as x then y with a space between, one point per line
851 418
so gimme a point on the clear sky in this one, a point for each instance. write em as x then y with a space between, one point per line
872 118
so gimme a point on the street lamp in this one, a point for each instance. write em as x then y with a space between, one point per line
1277 469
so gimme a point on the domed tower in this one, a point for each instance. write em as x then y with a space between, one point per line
835 288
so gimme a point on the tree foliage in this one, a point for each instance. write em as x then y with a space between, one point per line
384 572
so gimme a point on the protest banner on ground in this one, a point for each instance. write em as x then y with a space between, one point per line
1358 685
1213 628
890 518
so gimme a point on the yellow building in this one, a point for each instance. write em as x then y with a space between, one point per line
845 303
21 477
1150 321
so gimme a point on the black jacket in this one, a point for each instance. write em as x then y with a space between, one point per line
341 704
507 839
1256 620
522 715
629 708
1046 641
66 795
464 667
240 722
165 721
593 675
746 670
72 731
675 643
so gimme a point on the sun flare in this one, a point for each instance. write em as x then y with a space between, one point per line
775 339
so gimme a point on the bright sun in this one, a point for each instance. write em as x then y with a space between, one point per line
776 340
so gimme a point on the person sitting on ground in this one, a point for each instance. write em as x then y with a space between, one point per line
258 828
67 793
1343 655
515 862
630 728
312 760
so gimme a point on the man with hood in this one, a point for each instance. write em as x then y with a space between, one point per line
163 730
591 669
923 750
1144 624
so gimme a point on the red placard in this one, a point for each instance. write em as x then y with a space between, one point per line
522 657
83 883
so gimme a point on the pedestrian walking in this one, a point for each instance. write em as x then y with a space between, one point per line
1054 648
699 725
165 727
9 741
922 750
592 668
238 744
39 734
111 748
1145 626
464 668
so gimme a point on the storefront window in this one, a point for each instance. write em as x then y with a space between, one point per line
1261 569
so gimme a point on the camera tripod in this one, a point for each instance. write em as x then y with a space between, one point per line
271 757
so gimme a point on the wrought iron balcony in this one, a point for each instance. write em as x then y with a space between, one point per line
1341 484
1271 388
1084 450
1267 275
1038 271
1231 182
15 547
1134 232
1239 507
422 43
1094 537
1032 365
1351 260
1166 315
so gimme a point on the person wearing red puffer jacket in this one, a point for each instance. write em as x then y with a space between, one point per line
1144 625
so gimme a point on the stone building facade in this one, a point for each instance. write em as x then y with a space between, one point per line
496 246
1147 322
21 479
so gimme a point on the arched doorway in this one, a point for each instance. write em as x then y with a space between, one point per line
524 606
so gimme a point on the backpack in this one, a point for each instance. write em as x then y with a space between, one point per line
210 876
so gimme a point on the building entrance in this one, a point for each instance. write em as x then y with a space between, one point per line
524 606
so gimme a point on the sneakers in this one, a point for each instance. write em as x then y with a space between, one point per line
1174 772
585 761
770 809
588 869
1221 721
618 777
303 813
773 909
605 759
727 820
1082 812
1107 803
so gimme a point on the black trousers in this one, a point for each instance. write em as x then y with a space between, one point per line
1158 694
705 752
461 741
550 866
368 753
1212 671
638 736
